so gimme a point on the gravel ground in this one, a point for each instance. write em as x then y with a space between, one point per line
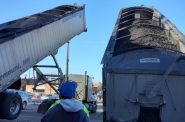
30 115
98 116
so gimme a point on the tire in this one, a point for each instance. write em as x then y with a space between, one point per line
10 107
24 105
94 108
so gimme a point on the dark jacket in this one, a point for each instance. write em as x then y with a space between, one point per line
67 111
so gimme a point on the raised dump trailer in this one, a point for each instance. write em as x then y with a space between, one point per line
144 69
25 42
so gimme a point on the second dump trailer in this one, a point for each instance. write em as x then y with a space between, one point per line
144 69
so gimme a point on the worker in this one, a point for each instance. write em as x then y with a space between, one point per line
94 97
68 109
93 101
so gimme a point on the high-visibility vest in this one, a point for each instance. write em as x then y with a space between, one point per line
58 102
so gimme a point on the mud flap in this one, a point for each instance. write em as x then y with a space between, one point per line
149 114
150 108
45 105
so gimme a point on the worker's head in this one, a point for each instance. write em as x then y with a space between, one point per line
67 89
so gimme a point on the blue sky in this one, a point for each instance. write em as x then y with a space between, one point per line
86 50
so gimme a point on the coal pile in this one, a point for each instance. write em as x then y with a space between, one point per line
152 36
143 32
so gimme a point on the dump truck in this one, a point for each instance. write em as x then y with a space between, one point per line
84 93
144 69
25 42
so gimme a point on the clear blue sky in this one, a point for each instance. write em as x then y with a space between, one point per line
86 50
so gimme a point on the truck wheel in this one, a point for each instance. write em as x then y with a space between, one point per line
94 108
10 106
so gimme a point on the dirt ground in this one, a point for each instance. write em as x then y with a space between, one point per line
30 115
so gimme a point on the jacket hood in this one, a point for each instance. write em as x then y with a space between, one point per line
71 105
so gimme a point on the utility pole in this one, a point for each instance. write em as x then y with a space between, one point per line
67 62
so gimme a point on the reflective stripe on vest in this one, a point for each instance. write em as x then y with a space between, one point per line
86 111
58 102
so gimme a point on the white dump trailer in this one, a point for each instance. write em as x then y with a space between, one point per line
144 69
25 42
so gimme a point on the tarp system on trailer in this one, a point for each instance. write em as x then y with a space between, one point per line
25 42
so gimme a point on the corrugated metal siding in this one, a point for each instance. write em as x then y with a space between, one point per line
28 49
